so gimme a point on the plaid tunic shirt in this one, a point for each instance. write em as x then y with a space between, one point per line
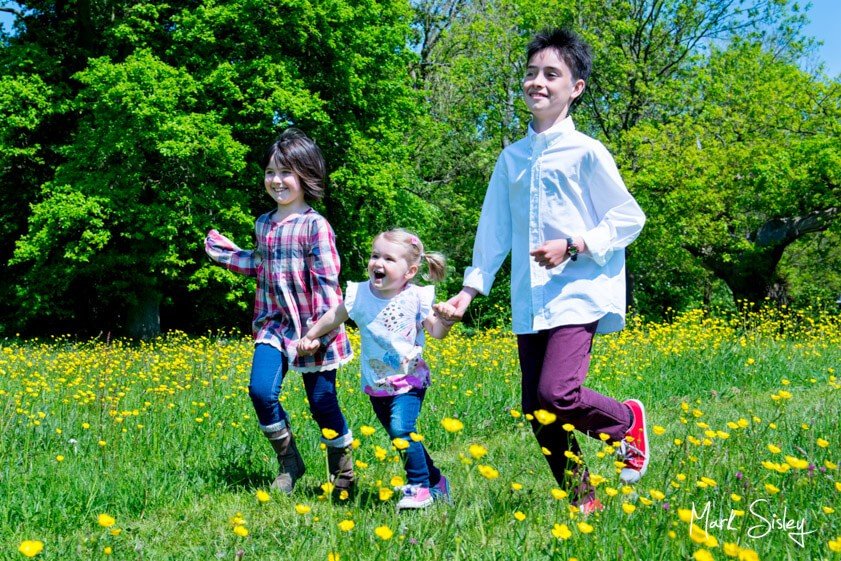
297 269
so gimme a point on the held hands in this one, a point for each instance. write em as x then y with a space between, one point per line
307 346
453 309
446 313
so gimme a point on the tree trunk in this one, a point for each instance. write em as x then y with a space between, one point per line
143 319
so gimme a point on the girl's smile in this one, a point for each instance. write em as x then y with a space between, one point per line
388 268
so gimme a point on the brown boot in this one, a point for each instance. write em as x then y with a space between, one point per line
340 464
290 460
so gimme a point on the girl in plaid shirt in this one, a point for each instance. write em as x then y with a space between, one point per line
297 269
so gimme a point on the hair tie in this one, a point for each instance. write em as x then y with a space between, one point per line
423 255
414 240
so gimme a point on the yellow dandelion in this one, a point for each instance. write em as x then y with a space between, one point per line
657 495
367 430
385 493
771 489
346 525
796 463
684 514
400 443
823 443
774 449
396 481
519 516
332 556
105 520
383 532
838 486
115 531
327 488
830 465
262 496
658 430
545 417
416 437
585 528
834 545
731 549
545 451
628 508
569 427
516 486
559 494
241 531
702 555
31 548
360 464
477 451
329 434
107 550
380 453
451 425
302 509
827 509
59 458
746 554
488 472
561 531
516 414
735 498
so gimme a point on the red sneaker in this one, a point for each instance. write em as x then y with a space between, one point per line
591 506
633 450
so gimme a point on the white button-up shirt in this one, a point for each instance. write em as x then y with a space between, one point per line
557 184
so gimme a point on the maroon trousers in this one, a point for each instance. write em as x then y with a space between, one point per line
554 364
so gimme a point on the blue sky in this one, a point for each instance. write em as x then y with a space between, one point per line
824 14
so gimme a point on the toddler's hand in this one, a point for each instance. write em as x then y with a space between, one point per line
446 312
307 346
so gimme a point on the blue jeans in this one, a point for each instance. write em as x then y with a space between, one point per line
268 368
399 415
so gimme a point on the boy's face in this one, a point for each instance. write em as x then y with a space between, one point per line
549 88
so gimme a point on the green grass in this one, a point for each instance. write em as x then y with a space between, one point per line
181 454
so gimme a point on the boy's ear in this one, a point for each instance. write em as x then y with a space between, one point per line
413 270
578 88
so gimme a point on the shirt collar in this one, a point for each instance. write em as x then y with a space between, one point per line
553 133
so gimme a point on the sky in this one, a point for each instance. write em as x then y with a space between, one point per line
824 26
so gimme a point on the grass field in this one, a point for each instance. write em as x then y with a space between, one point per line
151 452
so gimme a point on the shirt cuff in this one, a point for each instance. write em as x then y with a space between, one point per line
598 245
478 279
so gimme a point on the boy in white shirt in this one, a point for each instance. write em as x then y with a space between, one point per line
557 203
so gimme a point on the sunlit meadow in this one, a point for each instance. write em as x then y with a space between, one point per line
151 451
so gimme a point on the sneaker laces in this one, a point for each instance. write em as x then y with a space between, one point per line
627 451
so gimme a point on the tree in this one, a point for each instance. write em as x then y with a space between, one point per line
188 95
749 168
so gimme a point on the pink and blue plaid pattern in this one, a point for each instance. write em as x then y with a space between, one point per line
297 269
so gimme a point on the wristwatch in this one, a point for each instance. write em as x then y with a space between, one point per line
572 250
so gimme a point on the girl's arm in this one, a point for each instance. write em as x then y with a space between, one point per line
323 267
436 324
225 252
309 343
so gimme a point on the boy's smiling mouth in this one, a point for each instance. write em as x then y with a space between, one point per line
379 275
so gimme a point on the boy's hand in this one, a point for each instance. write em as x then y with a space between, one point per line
457 305
307 346
551 254
446 313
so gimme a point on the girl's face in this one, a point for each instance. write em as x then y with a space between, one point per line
284 187
388 268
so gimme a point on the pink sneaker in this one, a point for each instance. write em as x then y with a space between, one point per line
633 450
441 490
591 506
415 496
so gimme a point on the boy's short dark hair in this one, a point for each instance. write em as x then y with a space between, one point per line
569 46
295 150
